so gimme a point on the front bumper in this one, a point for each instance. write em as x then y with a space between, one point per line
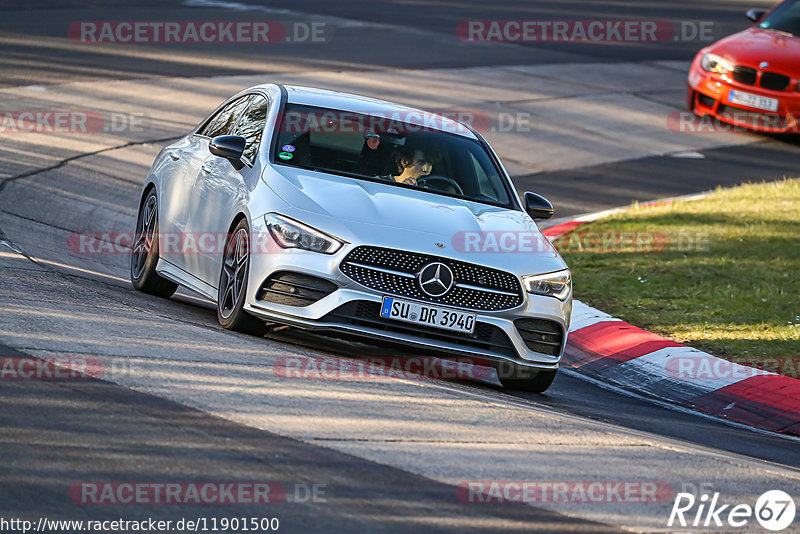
709 94
349 310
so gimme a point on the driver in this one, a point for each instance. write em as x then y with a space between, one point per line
409 164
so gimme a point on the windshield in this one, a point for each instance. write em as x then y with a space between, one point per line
387 149
785 18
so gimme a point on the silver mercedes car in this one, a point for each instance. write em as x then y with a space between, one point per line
323 210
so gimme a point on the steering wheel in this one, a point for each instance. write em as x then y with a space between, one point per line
433 179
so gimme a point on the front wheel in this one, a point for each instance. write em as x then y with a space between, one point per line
233 285
521 380
144 256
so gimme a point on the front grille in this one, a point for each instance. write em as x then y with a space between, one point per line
395 272
541 335
486 337
752 119
774 81
745 75
294 289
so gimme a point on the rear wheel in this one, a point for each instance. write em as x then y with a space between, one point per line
523 381
233 284
144 256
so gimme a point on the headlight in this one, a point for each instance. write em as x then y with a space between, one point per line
289 233
714 63
557 284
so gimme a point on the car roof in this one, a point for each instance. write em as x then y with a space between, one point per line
325 98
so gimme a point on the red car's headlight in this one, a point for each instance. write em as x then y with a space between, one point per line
716 64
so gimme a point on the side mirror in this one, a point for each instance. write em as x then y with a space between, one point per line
755 14
537 206
230 147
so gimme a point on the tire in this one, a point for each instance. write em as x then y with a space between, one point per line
534 384
232 286
144 254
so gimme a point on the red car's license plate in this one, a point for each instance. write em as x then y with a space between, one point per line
754 101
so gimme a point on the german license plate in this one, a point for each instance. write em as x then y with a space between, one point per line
427 315
754 101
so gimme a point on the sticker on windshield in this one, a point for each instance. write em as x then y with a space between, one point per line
288 148
286 155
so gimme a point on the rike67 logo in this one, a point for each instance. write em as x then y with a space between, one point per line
774 510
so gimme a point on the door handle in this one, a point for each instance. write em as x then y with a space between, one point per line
176 155
206 168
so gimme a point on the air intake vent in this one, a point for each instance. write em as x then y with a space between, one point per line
541 335
294 289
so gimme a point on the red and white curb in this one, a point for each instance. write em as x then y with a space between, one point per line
610 350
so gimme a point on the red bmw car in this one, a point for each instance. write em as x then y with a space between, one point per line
751 79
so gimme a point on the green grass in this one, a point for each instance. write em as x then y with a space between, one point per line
721 274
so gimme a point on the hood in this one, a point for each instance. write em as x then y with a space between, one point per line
366 212
754 45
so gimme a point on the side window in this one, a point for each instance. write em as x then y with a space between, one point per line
252 124
210 123
490 184
228 118
484 184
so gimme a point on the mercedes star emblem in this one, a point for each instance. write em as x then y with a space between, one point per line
435 279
